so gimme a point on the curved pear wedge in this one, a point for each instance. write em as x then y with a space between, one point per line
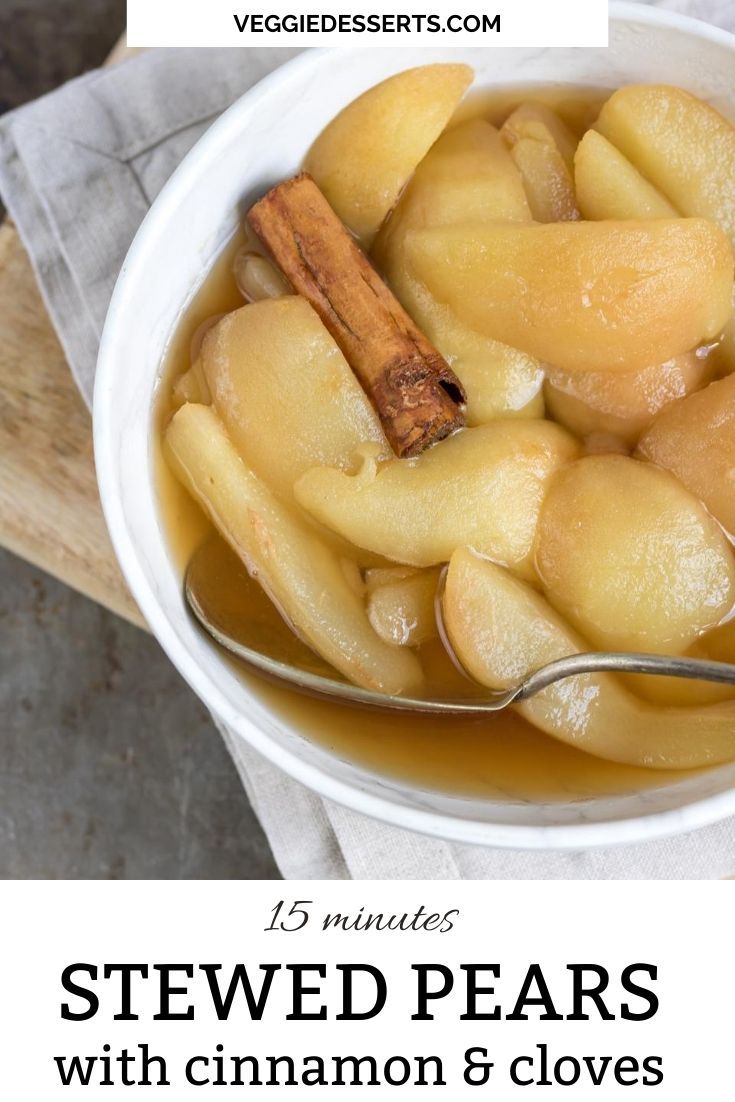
631 558
502 630
584 296
621 404
467 174
304 578
285 393
483 487
500 381
686 149
609 186
402 611
364 157
680 144
542 148
695 439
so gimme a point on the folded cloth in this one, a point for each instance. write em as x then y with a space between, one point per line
78 170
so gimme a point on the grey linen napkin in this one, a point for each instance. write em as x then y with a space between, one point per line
78 170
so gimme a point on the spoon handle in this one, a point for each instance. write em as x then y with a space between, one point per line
698 669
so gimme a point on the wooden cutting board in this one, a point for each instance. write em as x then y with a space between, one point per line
50 511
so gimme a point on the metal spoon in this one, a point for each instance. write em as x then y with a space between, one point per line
215 616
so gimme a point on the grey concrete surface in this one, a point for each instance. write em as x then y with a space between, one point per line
109 766
45 42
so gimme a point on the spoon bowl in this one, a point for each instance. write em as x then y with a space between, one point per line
211 607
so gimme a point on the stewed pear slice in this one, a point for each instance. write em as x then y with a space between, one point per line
502 630
534 119
401 610
687 150
301 574
583 296
621 404
695 438
680 144
483 487
609 186
500 381
542 148
468 173
366 154
285 393
631 558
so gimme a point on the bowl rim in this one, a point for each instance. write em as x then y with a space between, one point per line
452 828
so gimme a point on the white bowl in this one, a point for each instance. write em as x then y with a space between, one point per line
260 140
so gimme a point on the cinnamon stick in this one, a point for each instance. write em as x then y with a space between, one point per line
416 394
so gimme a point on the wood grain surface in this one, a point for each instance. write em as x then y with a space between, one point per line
50 510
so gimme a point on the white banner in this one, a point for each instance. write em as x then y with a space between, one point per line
431 989
367 23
